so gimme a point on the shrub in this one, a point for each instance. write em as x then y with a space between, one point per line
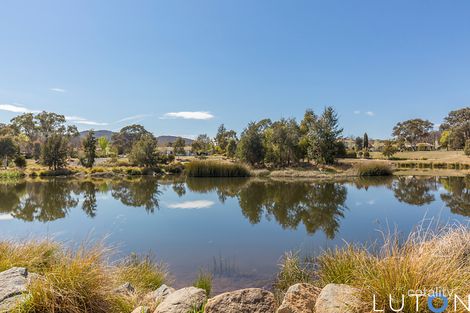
204 281
467 147
20 161
216 169
59 172
366 155
174 168
373 169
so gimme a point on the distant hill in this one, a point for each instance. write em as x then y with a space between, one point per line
162 140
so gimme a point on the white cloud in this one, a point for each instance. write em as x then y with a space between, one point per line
132 118
370 113
5 217
357 112
58 90
197 115
83 121
14 108
196 204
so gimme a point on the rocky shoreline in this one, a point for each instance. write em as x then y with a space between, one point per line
299 298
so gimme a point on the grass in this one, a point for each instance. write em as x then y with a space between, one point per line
79 280
204 281
199 168
425 260
373 169
11 174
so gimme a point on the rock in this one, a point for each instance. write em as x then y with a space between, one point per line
13 284
251 300
141 309
336 298
159 295
182 301
126 289
299 298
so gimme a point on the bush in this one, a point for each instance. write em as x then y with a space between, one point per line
20 161
204 281
373 169
216 169
366 155
467 147
174 168
51 173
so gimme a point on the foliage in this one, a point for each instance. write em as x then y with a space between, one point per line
144 152
413 131
54 151
204 281
365 142
373 169
223 137
250 148
216 169
231 148
281 141
467 147
202 145
89 149
103 143
20 161
8 149
444 139
458 122
389 149
359 142
128 136
323 136
178 146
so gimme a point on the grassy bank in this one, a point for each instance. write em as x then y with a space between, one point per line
373 169
424 260
82 279
199 168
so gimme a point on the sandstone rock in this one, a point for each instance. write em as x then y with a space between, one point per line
126 288
159 295
141 309
299 298
336 298
182 301
13 283
252 300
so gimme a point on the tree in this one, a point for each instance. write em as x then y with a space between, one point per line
231 149
144 152
89 148
445 138
413 131
365 142
202 145
178 146
103 142
8 149
458 122
54 151
304 128
467 148
250 148
26 124
281 142
128 136
223 137
359 143
389 149
323 137
52 123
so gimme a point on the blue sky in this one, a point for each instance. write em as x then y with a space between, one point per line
184 67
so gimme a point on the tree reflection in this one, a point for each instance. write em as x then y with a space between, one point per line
137 193
457 197
414 190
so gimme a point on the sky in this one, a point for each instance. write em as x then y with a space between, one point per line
185 67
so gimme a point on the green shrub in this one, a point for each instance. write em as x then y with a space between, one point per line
373 169
20 161
204 281
216 169
366 155
58 172
174 168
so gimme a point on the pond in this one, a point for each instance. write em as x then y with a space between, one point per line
236 228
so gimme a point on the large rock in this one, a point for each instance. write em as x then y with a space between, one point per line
299 298
252 300
336 298
182 301
159 295
13 286
141 309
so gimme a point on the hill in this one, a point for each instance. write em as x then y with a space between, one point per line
162 140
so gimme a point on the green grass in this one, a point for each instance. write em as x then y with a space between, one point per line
204 281
11 174
373 169
216 169
79 280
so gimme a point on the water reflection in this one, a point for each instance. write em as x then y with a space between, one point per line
315 205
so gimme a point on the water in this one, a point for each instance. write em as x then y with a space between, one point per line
236 228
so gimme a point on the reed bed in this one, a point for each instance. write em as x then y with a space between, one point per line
373 169
216 169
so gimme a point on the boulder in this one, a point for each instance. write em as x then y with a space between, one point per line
141 309
336 298
299 298
159 295
251 300
182 301
13 286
